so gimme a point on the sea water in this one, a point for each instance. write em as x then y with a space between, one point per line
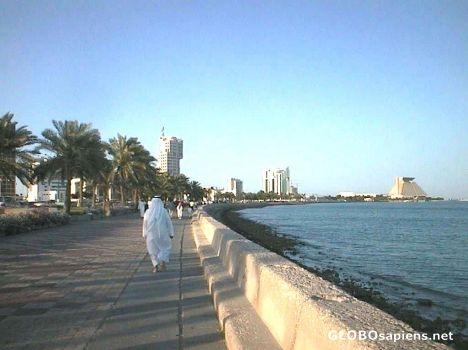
407 251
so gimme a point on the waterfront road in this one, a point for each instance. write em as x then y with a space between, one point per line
90 285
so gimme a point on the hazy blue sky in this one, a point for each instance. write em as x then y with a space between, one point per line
348 94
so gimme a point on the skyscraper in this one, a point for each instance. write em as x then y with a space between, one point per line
234 186
8 179
170 154
7 185
277 181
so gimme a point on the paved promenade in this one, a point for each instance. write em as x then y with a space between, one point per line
90 285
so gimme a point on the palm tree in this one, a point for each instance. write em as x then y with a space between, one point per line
147 179
131 162
76 150
229 196
147 185
90 162
164 185
92 185
105 177
15 159
180 185
195 191
207 193
91 172
261 196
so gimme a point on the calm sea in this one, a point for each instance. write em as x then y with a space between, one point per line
408 251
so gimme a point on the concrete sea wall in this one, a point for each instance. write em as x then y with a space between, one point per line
266 301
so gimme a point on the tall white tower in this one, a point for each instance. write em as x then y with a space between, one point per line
170 153
234 186
277 181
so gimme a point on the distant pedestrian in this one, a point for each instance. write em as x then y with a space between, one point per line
189 212
180 210
158 231
141 207
170 208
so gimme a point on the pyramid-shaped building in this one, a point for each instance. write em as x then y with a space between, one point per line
406 188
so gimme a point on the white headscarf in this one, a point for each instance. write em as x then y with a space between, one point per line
152 216
156 219
155 208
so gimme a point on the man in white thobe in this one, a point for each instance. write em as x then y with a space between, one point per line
158 231
180 210
141 207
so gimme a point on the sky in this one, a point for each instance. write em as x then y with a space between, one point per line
348 94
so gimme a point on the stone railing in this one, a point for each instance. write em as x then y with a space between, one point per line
266 301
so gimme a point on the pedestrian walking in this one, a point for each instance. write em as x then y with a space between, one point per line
141 207
158 232
170 208
180 210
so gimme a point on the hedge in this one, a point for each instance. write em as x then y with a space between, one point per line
33 220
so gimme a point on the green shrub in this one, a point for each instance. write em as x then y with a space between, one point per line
122 211
97 211
33 220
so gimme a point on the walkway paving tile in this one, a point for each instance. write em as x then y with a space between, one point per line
90 285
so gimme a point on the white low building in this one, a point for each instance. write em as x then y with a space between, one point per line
44 191
293 190
212 193
52 190
349 194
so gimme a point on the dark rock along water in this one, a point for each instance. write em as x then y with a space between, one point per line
408 251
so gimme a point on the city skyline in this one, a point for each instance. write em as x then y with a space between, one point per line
349 95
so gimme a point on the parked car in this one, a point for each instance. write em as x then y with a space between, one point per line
8 201
4 200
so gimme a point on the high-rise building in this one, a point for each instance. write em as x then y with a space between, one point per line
170 154
8 180
277 181
234 186
293 190
7 185
406 188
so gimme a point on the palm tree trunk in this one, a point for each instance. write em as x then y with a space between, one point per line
68 195
106 203
94 195
122 198
135 195
81 193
